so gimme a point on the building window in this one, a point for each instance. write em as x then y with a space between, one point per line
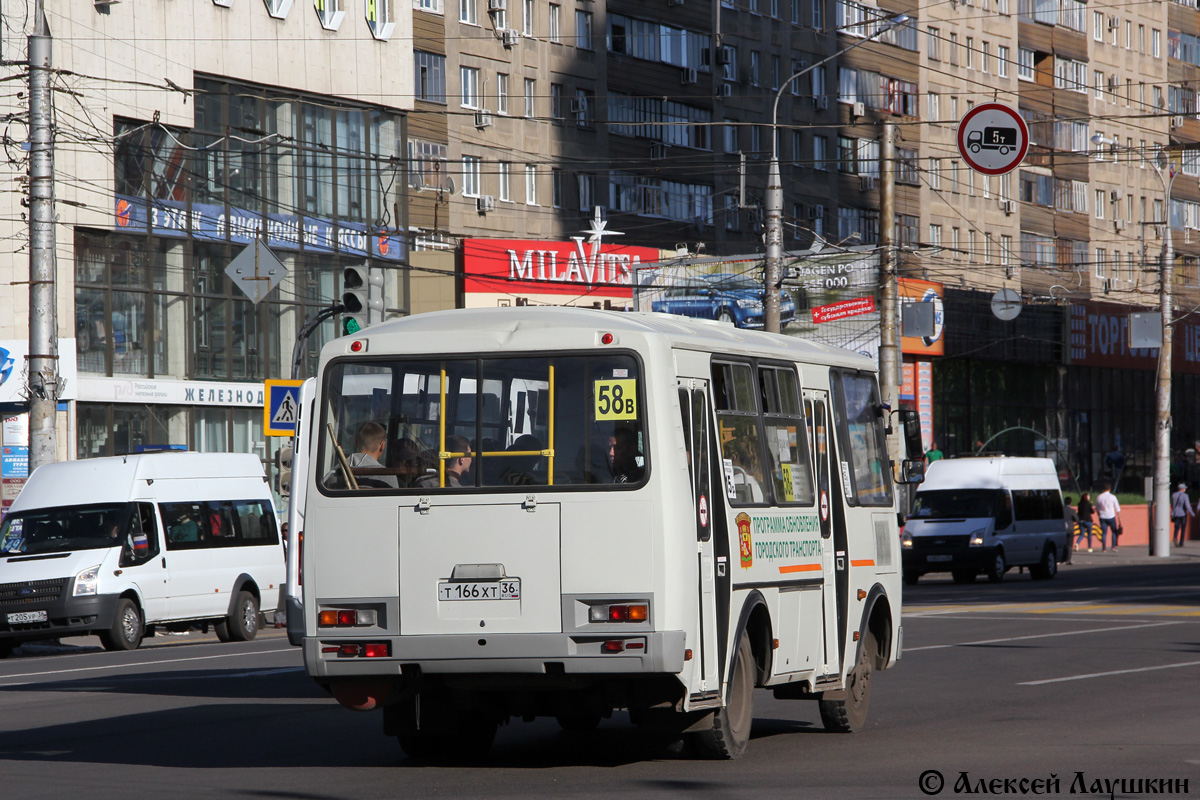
555 23
985 57
935 174
935 107
954 49
970 62
556 188
1002 56
330 12
1156 43
432 6
583 30
556 102
1025 64
1098 26
586 184
581 108
469 78
472 170
530 185
1100 204
427 164
504 173
935 235
821 152
818 14
935 43
379 18
731 136
754 68
530 89
430 78
501 93
467 12
527 21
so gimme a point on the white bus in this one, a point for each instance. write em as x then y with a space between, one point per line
689 512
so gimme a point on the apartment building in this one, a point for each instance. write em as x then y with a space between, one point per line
184 132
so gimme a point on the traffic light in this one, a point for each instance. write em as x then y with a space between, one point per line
362 295
283 471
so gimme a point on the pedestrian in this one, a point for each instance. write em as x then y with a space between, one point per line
1181 509
1114 461
1071 521
933 454
1084 513
1108 509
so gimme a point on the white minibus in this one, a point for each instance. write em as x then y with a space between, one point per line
526 512
986 514
120 546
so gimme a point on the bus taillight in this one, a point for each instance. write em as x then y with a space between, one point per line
625 612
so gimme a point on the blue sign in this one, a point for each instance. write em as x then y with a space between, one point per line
14 461
282 409
284 231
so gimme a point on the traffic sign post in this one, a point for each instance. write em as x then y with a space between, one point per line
993 138
281 411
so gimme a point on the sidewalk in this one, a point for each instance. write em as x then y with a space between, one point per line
1133 554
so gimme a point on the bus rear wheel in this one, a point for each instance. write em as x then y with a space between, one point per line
242 624
730 733
845 711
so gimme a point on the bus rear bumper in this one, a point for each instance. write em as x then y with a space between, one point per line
652 652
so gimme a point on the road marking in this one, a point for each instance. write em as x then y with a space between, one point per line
1036 636
1107 674
139 664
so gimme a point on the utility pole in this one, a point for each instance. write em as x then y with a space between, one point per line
889 345
1160 538
43 380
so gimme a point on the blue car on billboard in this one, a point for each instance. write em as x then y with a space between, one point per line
729 298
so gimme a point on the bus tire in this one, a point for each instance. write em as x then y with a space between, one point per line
845 711
127 628
730 733
1047 568
242 624
998 567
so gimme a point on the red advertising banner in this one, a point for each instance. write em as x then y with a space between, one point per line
578 267
843 309
1100 338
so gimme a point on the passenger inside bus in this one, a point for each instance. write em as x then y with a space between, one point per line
518 470
371 441
623 456
458 467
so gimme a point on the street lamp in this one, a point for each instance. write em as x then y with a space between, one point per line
774 199
1160 529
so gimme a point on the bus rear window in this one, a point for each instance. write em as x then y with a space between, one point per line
475 423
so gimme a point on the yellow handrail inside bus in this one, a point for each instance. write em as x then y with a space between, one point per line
443 455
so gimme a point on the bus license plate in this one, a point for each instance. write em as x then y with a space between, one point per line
939 558
25 617
480 590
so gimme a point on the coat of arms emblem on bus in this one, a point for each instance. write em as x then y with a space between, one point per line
744 548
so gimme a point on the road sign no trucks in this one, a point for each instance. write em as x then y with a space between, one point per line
993 138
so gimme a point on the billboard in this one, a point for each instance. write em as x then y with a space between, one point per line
827 297
503 272
915 291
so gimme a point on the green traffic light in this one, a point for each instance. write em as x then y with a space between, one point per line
350 326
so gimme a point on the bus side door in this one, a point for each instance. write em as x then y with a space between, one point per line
712 564
816 412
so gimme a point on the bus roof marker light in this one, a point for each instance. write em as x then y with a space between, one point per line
358 346
607 338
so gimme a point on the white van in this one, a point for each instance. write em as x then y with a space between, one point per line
975 515
116 546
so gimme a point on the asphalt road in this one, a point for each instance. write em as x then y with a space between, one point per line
1095 672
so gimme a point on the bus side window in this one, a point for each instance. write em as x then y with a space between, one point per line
739 434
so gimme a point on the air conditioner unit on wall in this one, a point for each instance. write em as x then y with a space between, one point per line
689 76
724 90
866 183
511 37
821 101
578 105
858 110
658 151
1177 121
483 119
1119 224
497 5
1115 195
485 203
1008 207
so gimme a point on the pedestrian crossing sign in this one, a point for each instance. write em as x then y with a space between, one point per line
281 410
